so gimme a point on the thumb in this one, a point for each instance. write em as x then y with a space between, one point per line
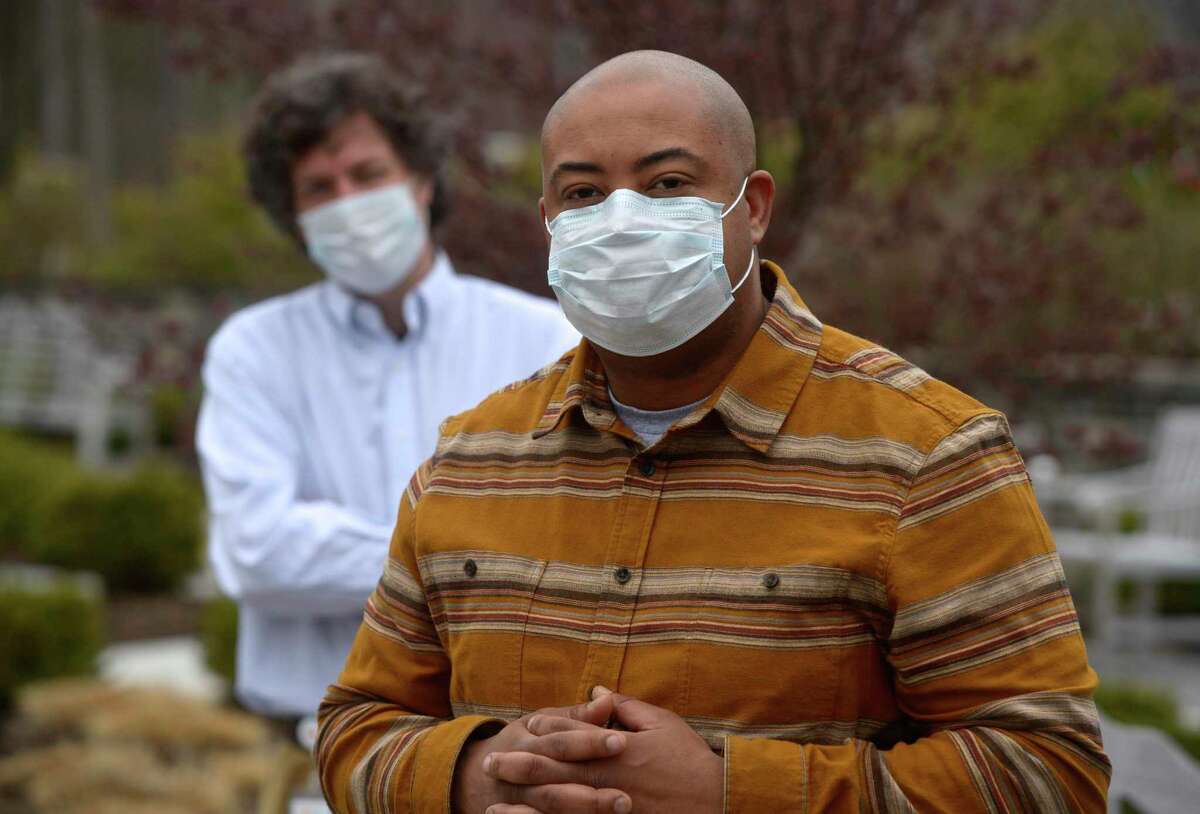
598 711
637 716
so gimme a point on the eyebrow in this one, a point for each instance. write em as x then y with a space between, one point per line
639 165
574 166
665 154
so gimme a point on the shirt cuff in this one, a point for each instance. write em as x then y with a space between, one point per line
764 775
437 756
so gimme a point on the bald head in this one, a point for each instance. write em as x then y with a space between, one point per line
662 126
724 116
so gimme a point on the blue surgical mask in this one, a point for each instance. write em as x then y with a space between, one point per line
640 276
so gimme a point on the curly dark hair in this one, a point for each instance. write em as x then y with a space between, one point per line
300 105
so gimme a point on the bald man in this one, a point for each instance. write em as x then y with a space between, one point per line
720 557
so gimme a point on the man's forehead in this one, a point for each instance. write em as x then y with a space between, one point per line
626 123
357 130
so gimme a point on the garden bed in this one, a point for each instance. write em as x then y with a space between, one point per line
132 618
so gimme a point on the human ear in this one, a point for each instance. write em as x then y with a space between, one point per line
760 196
542 218
423 192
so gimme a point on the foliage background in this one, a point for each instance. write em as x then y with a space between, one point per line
1005 191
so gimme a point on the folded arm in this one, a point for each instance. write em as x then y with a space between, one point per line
269 548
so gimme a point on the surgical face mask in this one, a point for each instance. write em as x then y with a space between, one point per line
367 242
640 276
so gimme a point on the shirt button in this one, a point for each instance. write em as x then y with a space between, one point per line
647 467
770 581
470 568
622 575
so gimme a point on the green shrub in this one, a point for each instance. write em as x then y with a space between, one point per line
169 406
42 221
1174 597
199 232
28 471
1179 597
218 631
46 632
1131 521
141 533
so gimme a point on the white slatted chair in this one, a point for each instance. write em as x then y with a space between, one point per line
54 377
1166 491
1150 770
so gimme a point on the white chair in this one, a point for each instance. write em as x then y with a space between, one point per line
1166 493
1150 770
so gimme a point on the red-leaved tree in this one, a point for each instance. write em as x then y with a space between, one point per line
990 278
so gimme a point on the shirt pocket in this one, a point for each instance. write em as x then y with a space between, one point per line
767 650
480 602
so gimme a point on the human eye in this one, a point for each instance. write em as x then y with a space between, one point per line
582 194
365 173
668 185
316 188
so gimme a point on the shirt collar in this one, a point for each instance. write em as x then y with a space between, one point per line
428 301
753 401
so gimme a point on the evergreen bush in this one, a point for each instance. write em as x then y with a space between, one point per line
49 628
1145 706
28 471
141 532
218 631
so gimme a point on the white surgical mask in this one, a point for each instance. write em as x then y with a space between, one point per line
368 242
640 276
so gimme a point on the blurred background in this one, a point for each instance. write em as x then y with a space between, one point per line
1007 192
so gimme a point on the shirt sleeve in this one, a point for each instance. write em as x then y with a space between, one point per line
387 740
987 661
270 549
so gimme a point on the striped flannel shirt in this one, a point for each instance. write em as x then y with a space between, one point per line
834 569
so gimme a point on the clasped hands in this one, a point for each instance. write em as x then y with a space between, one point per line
565 760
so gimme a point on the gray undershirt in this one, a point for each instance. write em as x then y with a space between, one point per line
650 425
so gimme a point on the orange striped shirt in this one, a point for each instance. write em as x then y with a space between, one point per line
834 569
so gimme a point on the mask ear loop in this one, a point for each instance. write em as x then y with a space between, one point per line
736 200
546 223
749 268
753 249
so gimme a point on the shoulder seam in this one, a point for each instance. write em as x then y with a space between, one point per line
950 422
540 375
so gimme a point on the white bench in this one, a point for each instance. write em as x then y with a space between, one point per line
54 378
1150 770
1166 493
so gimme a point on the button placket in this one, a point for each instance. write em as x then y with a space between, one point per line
646 466
623 590
624 564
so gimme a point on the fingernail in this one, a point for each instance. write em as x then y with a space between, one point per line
614 744
487 764
599 691
533 723
622 805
